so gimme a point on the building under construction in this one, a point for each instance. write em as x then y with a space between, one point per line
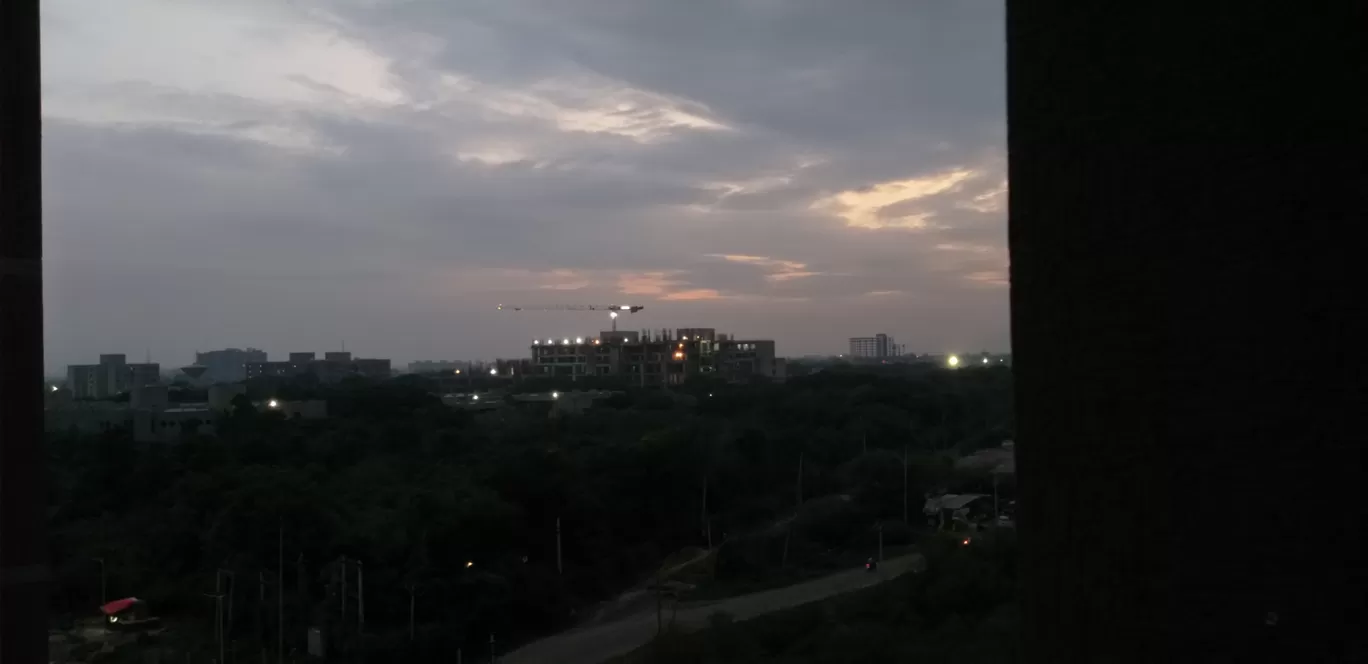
657 357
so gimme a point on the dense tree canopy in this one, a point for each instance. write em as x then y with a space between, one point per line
463 506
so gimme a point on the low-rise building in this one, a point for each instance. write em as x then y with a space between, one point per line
437 366
335 366
311 409
562 402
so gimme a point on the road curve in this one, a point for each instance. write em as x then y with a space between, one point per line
592 645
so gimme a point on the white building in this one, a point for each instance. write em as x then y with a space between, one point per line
875 347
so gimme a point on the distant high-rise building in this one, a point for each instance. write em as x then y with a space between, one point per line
877 346
656 359
111 376
228 365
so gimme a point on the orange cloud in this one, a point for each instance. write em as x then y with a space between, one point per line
890 204
695 294
989 278
780 269
647 283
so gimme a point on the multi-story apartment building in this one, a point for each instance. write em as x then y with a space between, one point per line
875 347
113 375
662 358
228 365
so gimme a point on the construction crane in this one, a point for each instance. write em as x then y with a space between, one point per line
613 309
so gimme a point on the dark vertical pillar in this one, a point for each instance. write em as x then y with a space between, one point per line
1188 328
23 559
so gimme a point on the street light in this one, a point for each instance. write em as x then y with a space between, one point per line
555 395
272 404
493 372
953 361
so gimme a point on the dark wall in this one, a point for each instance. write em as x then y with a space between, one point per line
1188 328
23 558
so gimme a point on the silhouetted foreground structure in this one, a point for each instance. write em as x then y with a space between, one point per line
23 558
1184 177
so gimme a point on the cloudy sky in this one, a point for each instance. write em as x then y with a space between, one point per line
299 174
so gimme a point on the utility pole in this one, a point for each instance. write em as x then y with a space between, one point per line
800 479
660 620
280 591
360 601
881 541
995 498
704 515
344 592
559 568
261 612
104 596
905 485
492 658
411 605
231 590
218 620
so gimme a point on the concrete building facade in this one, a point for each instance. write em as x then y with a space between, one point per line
228 365
335 366
437 366
112 376
876 347
662 358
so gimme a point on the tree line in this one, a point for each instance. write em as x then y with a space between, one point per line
451 516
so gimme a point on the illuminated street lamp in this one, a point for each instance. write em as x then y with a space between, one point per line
555 395
953 361
493 372
272 404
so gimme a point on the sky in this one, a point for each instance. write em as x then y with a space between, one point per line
303 175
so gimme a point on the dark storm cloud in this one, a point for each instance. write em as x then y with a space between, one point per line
387 171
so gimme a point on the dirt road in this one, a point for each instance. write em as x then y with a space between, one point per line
592 645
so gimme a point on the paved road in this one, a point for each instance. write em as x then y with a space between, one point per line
593 645
637 599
